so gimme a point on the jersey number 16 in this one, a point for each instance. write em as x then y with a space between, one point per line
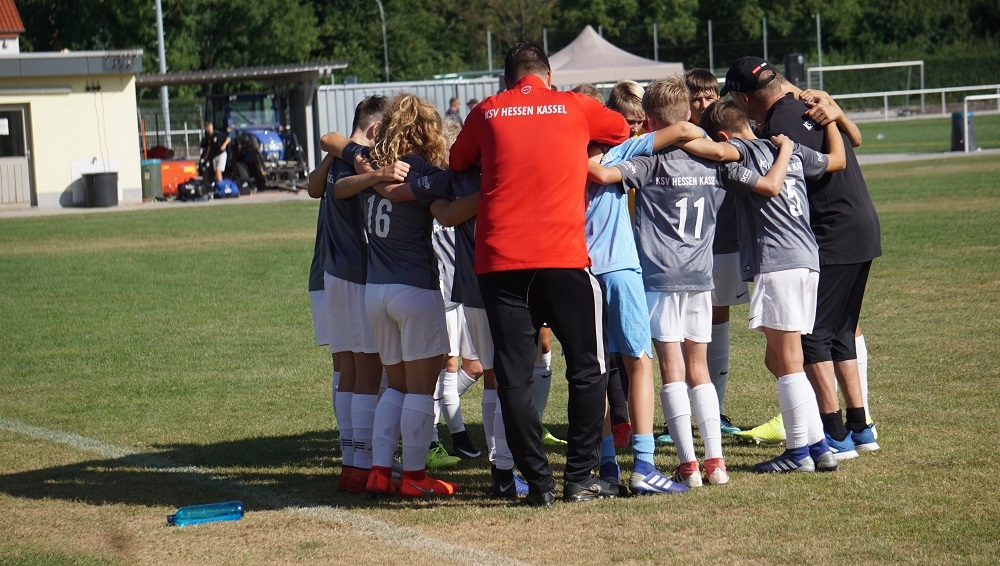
378 218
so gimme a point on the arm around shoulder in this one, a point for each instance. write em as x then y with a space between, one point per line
335 143
455 212
603 175
770 184
708 149
837 155
317 177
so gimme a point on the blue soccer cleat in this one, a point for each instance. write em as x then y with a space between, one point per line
653 482
842 449
864 441
791 460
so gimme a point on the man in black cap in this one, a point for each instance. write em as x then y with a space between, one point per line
846 226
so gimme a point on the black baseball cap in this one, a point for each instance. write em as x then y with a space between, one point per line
745 75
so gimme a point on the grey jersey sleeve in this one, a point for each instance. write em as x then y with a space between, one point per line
637 171
814 163
738 179
737 176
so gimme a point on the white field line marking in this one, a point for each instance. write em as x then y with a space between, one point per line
388 532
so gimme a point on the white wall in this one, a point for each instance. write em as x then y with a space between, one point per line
74 129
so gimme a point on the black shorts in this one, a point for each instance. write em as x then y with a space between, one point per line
839 296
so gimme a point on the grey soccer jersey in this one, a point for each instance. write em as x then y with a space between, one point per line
399 235
675 211
346 244
444 247
774 231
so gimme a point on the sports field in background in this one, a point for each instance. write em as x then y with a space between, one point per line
924 135
159 358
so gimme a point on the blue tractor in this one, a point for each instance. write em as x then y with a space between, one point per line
264 154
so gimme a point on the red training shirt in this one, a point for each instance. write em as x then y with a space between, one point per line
532 145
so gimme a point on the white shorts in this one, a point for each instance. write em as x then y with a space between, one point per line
316 299
675 316
730 288
408 322
459 341
479 332
348 329
219 162
784 300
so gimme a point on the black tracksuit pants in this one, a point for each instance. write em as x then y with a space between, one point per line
570 302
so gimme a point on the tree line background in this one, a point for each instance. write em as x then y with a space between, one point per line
958 39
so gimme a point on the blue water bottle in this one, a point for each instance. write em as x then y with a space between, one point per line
228 511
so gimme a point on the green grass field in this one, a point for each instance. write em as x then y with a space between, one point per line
160 358
924 135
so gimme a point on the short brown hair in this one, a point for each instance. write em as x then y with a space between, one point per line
769 90
701 80
669 100
724 116
524 59
589 90
626 96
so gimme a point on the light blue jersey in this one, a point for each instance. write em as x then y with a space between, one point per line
610 238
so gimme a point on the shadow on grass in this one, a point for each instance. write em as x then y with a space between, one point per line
265 473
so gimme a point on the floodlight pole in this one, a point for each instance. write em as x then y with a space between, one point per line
819 47
711 51
764 25
656 43
385 41
164 93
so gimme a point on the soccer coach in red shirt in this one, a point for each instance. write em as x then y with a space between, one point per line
532 262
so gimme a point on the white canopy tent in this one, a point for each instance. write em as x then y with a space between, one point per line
591 59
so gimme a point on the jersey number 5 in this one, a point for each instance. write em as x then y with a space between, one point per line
378 218
699 206
794 205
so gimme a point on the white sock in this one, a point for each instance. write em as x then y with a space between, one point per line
334 384
706 413
862 349
547 360
363 419
384 384
677 413
797 402
465 381
489 420
504 460
540 389
416 423
718 360
342 410
451 405
385 429
439 397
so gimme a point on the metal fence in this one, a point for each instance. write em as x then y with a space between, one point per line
896 103
336 103
185 129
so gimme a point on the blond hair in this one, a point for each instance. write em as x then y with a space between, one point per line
669 100
410 126
626 96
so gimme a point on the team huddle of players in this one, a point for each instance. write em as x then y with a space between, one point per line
393 283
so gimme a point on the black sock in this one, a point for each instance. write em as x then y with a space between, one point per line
460 438
833 424
856 421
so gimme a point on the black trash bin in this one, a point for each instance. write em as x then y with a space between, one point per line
100 189
958 132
